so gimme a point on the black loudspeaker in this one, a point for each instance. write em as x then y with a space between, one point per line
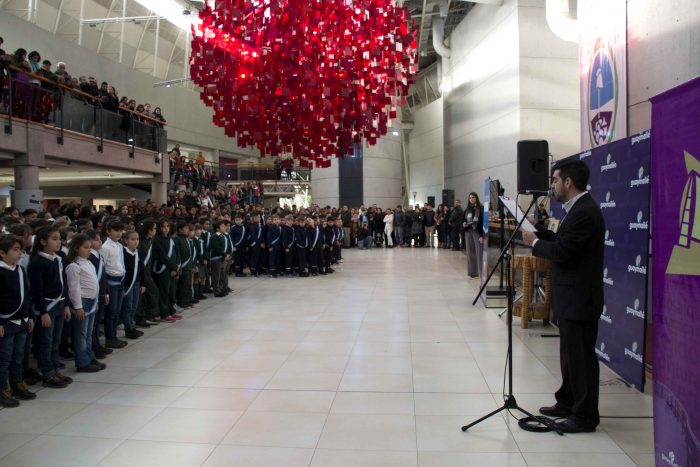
431 200
448 197
533 166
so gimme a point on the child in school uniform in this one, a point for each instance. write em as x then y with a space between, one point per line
47 284
133 284
288 242
148 308
314 241
206 238
239 239
220 245
64 349
165 268
200 263
184 284
83 291
302 243
274 245
25 233
112 253
98 264
15 322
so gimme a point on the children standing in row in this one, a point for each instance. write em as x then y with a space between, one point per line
48 291
15 322
83 292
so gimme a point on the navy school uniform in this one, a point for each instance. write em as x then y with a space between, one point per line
254 241
315 242
328 241
133 281
301 246
98 263
239 239
288 245
274 247
14 318
66 335
165 260
48 289
337 247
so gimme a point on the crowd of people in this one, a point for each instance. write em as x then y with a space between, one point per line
70 276
105 95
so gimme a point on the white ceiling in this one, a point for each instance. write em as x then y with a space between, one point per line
62 17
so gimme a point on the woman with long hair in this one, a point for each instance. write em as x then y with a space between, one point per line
473 234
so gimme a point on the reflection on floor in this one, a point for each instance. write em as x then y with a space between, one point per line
378 364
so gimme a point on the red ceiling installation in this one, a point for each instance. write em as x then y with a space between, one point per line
304 77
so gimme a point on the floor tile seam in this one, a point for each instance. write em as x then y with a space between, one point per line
413 391
35 436
325 421
145 422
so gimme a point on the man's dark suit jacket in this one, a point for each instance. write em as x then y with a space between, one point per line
576 252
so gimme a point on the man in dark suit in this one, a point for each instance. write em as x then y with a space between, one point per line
576 253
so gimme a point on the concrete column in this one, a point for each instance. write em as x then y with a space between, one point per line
159 193
27 194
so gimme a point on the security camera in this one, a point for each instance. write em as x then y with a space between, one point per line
186 12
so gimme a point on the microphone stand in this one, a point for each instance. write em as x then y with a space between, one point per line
504 258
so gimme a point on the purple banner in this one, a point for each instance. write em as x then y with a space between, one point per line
676 274
619 183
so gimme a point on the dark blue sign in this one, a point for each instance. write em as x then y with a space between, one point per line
620 184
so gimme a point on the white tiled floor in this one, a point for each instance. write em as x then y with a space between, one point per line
379 364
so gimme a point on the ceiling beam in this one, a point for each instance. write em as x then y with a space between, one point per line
172 53
102 32
138 47
58 17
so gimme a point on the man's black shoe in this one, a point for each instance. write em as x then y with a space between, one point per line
115 344
240 274
571 426
105 350
91 368
142 324
100 364
555 412
67 355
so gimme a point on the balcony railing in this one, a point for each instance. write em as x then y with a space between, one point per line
67 109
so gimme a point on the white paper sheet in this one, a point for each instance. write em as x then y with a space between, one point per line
515 211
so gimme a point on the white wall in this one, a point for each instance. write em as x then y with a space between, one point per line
382 175
426 153
663 51
189 121
324 185
482 99
509 78
549 83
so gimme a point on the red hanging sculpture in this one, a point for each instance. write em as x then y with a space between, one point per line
309 78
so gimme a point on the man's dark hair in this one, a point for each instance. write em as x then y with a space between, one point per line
576 170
